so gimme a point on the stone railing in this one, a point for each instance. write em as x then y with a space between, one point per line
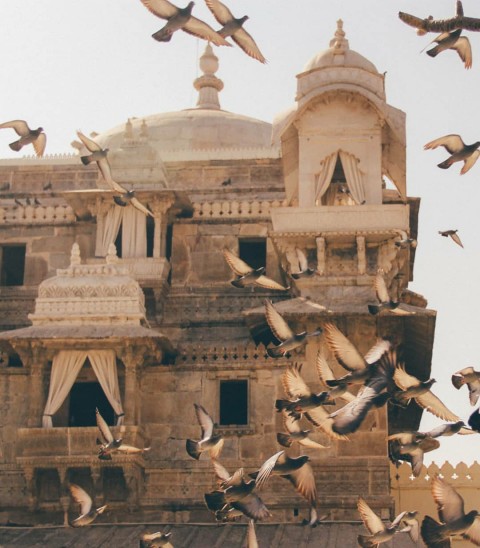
232 209
221 354
36 214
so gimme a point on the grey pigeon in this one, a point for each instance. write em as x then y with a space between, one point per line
471 378
410 447
181 19
233 27
474 421
280 328
430 24
453 40
128 197
87 514
209 442
296 434
404 243
379 531
454 521
28 136
302 269
460 152
453 234
155 540
384 300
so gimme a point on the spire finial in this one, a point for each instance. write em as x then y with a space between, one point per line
339 43
208 85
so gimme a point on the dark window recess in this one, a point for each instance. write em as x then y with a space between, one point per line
150 233
253 251
13 265
118 242
84 398
233 402
14 361
169 236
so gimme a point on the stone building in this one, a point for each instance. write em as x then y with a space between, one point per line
147 327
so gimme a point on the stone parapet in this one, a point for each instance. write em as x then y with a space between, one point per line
36 214
231 209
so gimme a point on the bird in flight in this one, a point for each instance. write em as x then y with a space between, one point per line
379 531
181 19
430 24
471 378
87 514
453 40
459 151
209 442
453 234
28 136
384 300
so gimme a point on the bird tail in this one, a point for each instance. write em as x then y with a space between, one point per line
193 449
280 405
431 531
445 164
238 283
434 51
365 542
85 160
162 35
284 439
16 145
274 353
373 309
215 500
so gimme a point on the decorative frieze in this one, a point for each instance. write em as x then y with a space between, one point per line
36 214
231 209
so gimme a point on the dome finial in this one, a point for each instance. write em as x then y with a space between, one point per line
208 85
339 43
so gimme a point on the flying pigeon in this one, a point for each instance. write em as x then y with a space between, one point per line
251 506
181 18
36 137
441 25
326 375
459 151
87 515
155 540
209 442
385 302
453 40
471 378
233 27
405 243
246 275
454 521
302 269
379 531
410 447
280 328
128 197
296 434
453 234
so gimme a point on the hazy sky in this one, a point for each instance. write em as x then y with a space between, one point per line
90 65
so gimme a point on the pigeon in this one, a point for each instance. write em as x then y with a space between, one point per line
280 328
155 540
28 136
453 234
410 447
441 25
246 275
458 149
379 531
128 197
227 182
233 27
209 442
326 376
304 399
474 421
296 434
47 185
412 526
302 269
454 521
181 18
385 303
420 391
404 243
471 378
453 40
251 506
87 515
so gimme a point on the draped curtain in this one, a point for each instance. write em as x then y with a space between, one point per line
324 176
65 369
111 226
354 176
134 233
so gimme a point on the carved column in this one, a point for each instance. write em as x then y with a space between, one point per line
159 210
64 496
31 490
97 484
34 359
100 211
321 256
361 256
132 387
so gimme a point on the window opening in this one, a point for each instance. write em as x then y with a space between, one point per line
234 402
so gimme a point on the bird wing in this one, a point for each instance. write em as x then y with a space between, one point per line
473 532
456 238
458 378
293 384
291 424
220 11
161 8
239 267
453 143
216 449
464 50
403 437
251 537
103 427
326 374
348 418
266 469
268 283
302 259
371 521
81 497
198 28
220 471
402 379
377 351
381 287
345 352
321 419
471 23
413 529
252 506
138 205
20 127
434 405
40 143
247 43
469 162
204 420
277 324
90 144
449 502
304 482
307 442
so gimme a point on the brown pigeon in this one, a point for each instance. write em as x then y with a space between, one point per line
453 40
453 234
460 152
36 137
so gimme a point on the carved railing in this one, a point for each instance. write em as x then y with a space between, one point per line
36 214
232 208
221 354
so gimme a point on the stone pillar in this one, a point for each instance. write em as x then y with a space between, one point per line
159 210
96 473
321 256
132 386
361 256
31 490
100 211
35 360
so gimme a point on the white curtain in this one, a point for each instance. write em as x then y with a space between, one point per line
111 226
134 233
104 366
65 369
324 176
354 176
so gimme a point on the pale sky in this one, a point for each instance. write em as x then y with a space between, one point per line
90 65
